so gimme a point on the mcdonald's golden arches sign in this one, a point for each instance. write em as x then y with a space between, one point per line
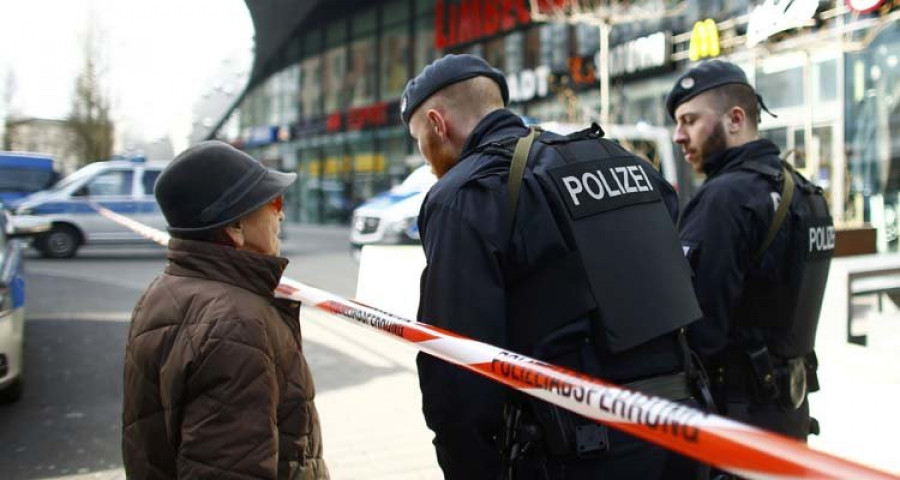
704 40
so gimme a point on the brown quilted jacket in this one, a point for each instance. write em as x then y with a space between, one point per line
216 385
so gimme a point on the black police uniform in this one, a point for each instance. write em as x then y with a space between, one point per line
488 281
760 302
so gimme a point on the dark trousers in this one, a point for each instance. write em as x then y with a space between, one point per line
772 417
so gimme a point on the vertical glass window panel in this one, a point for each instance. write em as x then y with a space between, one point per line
311 89
291 93
825 79
424 6
395 13
336 33
515 52
361 78
394 54
824 139
495 52
364 23
587 39
798 159
424 42
555 46
781 89
533 47
333 75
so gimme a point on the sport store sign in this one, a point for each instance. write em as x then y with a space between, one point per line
639 56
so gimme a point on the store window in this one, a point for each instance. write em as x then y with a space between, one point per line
555 46
394 57
515 52
872 113
587 39
825 79
533 47
495 52
334 73
424 42
781 89
311 87
361 78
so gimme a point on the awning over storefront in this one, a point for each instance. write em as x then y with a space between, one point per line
273 23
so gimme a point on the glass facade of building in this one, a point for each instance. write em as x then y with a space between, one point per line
330 109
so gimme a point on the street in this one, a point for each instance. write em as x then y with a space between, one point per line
68 424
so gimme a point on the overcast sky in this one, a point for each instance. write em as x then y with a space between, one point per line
159 56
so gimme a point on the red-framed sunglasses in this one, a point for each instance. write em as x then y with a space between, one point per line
278 203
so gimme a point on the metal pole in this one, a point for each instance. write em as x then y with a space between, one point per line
604 72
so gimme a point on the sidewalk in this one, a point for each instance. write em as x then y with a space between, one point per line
368 400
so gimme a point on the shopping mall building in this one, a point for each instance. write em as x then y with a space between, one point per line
323 95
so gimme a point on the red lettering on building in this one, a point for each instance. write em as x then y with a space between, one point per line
490 21
463 21
440 39
548 6
333 124
581 72
365 117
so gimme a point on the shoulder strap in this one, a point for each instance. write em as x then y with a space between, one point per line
517 168
787 194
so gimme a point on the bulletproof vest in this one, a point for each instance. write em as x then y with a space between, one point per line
624 269
785 308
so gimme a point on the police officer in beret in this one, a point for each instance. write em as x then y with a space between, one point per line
565 251
216 384
759 238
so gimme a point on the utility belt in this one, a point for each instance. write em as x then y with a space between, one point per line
757 376
536 430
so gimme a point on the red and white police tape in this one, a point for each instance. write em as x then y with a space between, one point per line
738 448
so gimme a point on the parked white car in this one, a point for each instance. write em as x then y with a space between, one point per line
390 217
12 302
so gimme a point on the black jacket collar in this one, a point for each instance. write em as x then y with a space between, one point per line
497 125
733 157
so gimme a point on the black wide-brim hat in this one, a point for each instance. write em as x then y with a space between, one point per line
213 184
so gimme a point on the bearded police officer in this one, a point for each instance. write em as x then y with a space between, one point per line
759 238
569 255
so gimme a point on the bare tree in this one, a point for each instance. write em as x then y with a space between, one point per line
89 120
9 109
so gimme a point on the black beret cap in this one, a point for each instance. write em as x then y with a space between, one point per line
444 72
706 76
213 184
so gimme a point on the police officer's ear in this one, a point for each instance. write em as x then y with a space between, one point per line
436 123
737 118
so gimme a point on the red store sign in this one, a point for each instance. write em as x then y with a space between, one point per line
463 21
371 116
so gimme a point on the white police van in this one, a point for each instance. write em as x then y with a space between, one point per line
123 186
390 217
